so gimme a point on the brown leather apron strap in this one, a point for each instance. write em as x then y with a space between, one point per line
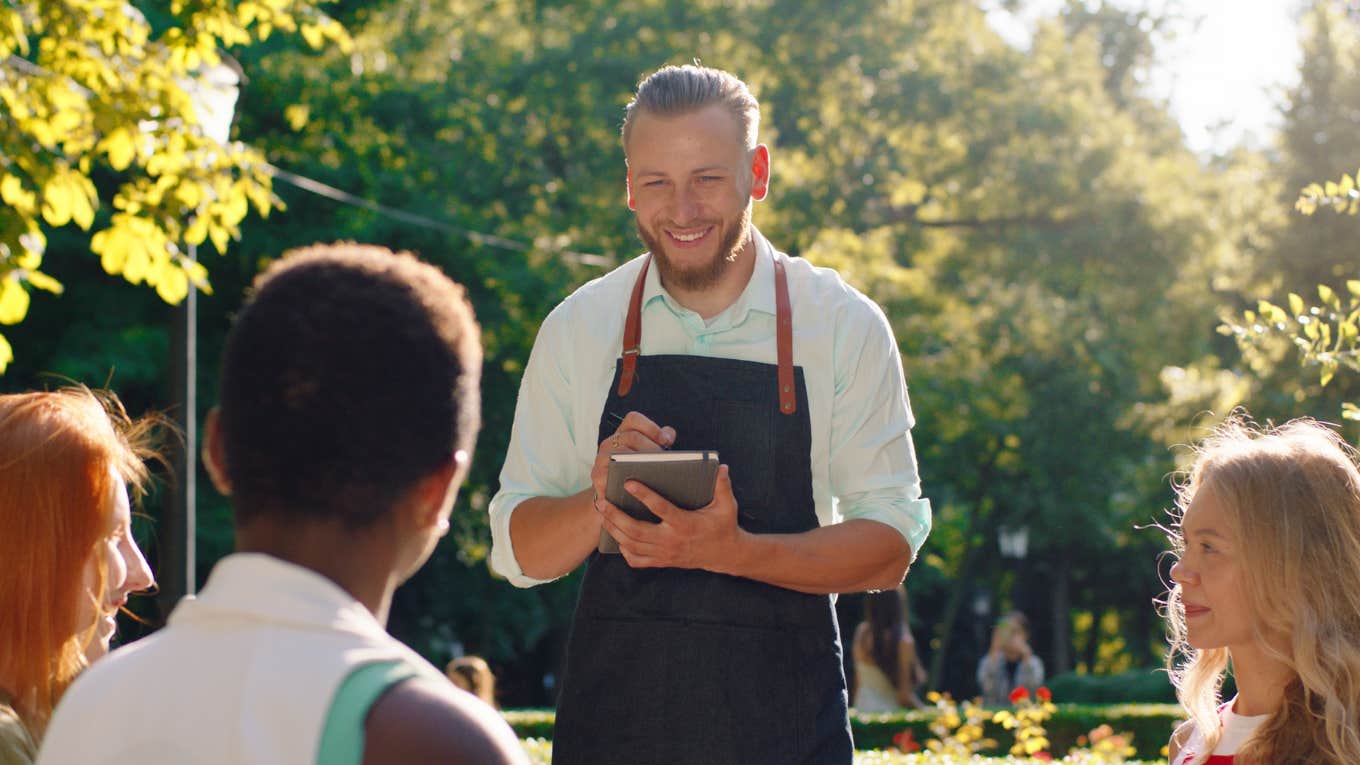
632 336
788 398
632 332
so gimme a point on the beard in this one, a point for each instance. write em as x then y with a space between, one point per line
704 275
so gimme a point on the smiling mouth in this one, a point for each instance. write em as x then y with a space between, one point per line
688 237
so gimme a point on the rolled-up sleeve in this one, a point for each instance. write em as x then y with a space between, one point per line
873 460
541 459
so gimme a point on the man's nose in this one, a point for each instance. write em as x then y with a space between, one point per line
686 205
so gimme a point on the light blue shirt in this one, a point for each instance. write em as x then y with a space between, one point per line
863 461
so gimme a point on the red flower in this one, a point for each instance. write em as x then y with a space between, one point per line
1045 756
906 742
1019 694
1043 694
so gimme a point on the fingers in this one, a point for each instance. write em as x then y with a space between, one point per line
638 432
722 487
634 538
658 504
623 527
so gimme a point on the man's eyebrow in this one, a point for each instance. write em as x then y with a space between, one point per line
697 171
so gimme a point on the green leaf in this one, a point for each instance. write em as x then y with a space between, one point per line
121 148
172 284
1295 304
41 281
13 301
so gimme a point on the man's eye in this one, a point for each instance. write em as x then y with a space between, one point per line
654 184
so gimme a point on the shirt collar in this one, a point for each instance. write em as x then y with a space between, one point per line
758 295
258 585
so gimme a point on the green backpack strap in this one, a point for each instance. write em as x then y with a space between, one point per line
342 736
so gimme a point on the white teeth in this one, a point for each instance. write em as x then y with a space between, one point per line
689 237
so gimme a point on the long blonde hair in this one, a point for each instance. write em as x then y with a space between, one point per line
56 453
1292 496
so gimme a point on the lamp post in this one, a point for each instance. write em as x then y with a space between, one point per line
1014 542
214 93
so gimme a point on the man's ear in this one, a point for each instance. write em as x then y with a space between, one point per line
760 172
214 461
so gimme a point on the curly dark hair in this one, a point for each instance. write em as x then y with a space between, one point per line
350 373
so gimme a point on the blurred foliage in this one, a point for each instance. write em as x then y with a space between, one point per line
1052 258
93 96
1310 254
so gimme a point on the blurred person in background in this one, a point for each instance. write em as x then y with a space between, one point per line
888 669
1010 663
472 674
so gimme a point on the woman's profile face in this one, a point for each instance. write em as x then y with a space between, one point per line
125 569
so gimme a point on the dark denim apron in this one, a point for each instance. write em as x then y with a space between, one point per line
687 667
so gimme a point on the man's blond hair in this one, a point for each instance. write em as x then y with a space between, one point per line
676 90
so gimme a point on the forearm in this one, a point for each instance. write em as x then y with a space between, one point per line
853 556
552 535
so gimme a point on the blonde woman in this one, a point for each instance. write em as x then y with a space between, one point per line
1268 581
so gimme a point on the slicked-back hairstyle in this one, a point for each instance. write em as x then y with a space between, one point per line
58 454
1291 496
350 374
676 90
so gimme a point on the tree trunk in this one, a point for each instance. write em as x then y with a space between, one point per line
1061 646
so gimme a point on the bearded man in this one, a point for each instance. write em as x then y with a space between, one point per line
712 637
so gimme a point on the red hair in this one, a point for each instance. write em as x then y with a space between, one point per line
58 451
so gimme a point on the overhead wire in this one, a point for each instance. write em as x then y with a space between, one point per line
490 240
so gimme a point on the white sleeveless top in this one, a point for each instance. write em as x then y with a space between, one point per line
874 692
246 671
1236 730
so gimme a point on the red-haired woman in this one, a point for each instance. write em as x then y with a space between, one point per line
67 458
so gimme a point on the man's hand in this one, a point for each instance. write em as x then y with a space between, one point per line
552 535
636 433
707 538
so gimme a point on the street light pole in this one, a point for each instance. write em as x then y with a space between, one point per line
214 93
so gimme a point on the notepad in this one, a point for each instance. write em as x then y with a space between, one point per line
685 478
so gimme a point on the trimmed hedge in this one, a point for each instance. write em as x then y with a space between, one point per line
1138 686
1150 724
540 753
